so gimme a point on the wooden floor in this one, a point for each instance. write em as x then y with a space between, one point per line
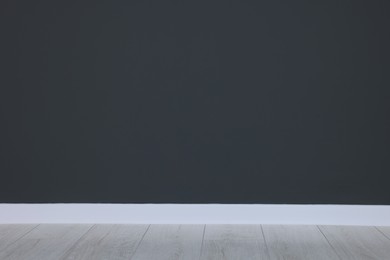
69 241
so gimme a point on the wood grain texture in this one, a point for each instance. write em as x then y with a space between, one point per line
233 242
356 242
47 241
297 242
169 242
11 233
107 242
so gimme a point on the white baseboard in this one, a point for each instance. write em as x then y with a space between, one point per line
363 215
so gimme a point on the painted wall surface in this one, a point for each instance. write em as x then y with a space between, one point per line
195 102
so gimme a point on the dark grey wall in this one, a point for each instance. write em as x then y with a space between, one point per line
195 102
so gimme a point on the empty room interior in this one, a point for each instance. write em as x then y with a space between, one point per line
162 130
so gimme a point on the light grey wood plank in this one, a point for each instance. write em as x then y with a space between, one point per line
233 242
11 232
355 242
297 242
170 242
385 231
108 242
48 241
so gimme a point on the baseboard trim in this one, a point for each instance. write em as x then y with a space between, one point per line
362 215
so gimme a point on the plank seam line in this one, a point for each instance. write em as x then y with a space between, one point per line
380 231
201 246
334 250
139 243
265 242
66 254
22 236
